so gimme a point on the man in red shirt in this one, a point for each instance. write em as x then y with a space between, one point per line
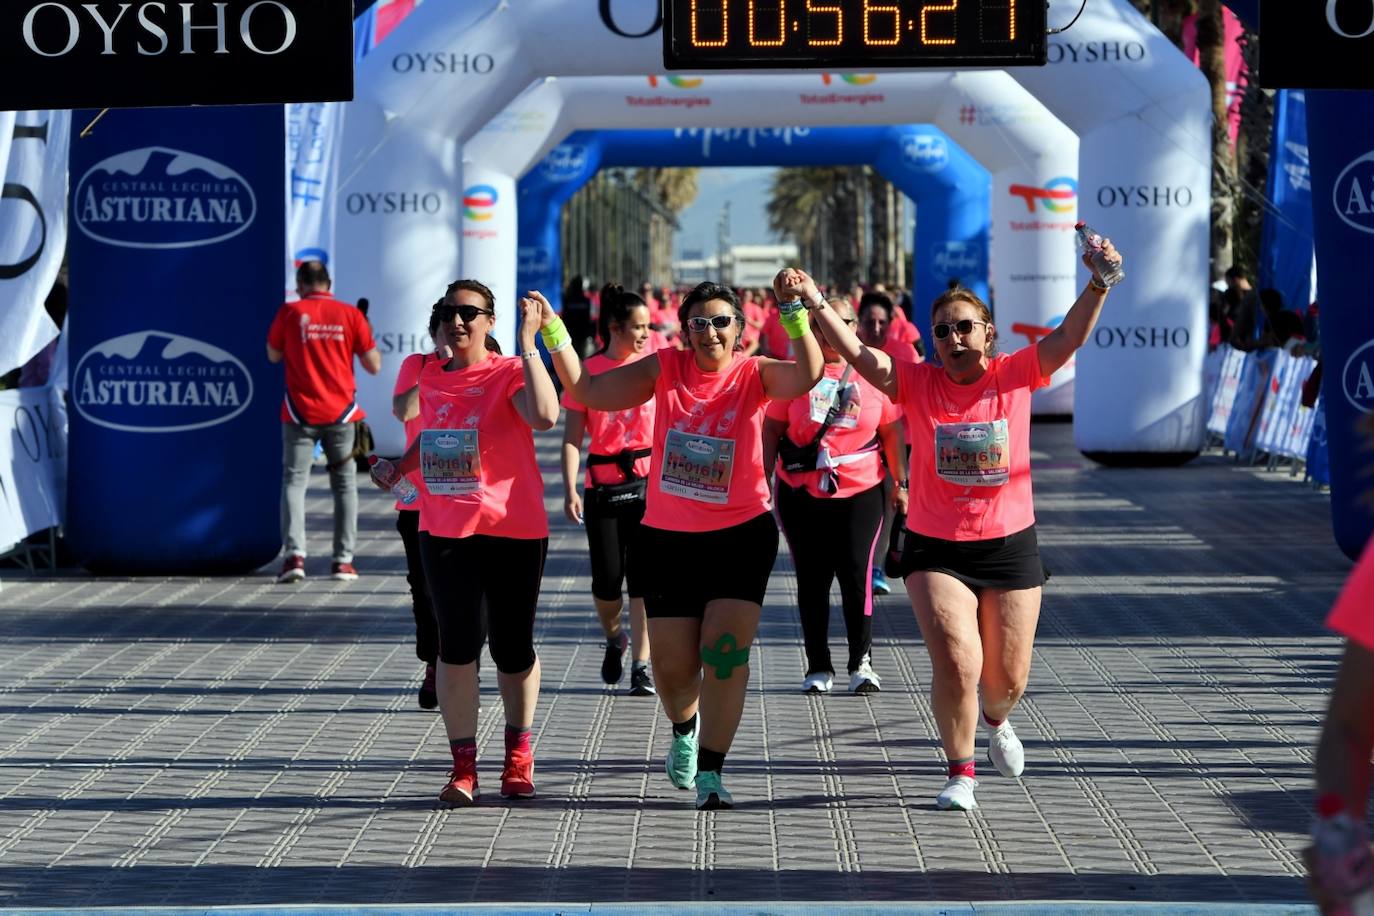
317 337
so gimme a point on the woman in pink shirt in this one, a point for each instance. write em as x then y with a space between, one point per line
708 538
971 563
483 530
828 446
617 476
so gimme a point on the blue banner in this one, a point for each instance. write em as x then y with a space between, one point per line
1340 128
1286 238
177 226
951 189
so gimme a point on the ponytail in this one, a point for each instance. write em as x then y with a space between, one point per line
615 309
491 345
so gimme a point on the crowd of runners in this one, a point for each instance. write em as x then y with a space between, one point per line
701 452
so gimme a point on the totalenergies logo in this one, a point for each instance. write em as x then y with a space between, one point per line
853 79
478 202
1058 195
681 82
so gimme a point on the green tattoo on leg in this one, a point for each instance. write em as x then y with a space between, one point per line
724 656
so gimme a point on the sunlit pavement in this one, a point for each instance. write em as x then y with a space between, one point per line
200 743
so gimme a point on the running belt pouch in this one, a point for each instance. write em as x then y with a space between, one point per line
896 542
615 497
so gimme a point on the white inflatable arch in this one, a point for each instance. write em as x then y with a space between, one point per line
439 80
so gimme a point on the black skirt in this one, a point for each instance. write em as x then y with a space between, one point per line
1004 563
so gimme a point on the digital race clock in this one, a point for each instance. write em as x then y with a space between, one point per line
863 34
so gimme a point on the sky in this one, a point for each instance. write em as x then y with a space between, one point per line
747 191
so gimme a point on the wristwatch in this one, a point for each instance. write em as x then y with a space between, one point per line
816 303
903 483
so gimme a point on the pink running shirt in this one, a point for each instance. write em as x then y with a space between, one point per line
707 467
407 377
855 428
1353 614
933 404
510 499
616 430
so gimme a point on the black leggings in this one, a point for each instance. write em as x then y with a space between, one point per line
833 538
462 573
426 630
610 539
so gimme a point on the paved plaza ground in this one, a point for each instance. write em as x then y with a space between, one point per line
228 741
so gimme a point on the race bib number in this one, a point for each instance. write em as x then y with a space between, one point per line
450 461
973 454
824 394
697 467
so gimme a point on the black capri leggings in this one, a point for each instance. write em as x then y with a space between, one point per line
833 538
506 572
426 630
610 540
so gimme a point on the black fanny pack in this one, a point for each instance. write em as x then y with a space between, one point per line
619 497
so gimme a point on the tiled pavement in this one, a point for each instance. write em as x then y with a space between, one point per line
225 741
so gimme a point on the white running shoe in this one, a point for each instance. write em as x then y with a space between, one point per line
957 795
817 682
1005 751
864 679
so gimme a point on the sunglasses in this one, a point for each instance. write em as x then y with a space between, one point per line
468 313
699 323
963 327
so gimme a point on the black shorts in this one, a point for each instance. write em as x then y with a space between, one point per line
612 541
683 570
1005 563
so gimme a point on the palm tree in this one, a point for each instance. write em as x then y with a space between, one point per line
1211 48
823 211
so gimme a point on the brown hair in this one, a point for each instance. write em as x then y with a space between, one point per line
964 294
474 286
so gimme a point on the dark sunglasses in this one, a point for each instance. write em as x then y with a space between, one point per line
698 323
964 327
468 313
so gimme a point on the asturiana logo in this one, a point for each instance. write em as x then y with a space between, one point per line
925 152
853 79
1353 194
564 162
957 260
1059 195
162 198
159 382
478 202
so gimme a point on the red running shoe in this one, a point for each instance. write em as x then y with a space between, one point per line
292 570
517 777
461 790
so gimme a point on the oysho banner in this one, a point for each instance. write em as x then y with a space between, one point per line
33 454
33 227
176 275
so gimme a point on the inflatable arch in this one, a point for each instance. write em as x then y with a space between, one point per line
1024 147
429 61
948 185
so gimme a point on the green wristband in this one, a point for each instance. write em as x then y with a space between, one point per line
792 317
555 334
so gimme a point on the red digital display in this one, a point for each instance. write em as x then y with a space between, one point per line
801 34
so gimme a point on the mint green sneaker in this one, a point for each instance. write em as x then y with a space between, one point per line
711 795
682 758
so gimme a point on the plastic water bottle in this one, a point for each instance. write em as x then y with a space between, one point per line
401 488
1090 241
1343 865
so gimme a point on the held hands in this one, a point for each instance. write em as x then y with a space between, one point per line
794 283
546 312
531 318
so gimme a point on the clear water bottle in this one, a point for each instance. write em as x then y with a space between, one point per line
1342 864
1090 241
386 472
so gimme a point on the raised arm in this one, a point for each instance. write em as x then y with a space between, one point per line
617 389
537 402
873 364
787 379
1073 332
